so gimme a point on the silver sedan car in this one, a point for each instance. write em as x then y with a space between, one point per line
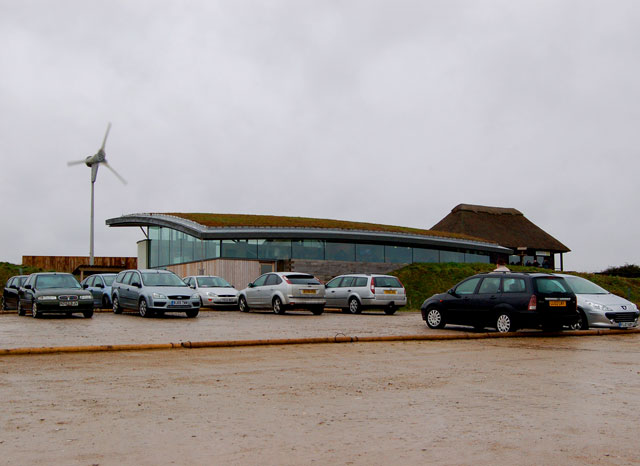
280 291
599 308
213 291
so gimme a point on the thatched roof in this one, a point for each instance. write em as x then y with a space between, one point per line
507 227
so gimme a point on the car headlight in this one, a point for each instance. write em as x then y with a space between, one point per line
212 294
47 298
158 296
85 297
196 296
598 306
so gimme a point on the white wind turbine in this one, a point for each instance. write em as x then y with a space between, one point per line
94 162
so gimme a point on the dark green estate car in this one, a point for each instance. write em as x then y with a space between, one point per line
52 292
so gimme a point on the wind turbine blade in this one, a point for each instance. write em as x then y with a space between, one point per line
76 162
114 172
104 141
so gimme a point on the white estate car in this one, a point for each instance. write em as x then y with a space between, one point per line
213 291
355 292
280 291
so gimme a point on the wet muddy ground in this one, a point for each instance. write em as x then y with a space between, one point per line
567 400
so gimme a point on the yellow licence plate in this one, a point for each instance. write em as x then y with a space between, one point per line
308 291
557 303
389 291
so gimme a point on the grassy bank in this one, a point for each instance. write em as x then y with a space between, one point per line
8 270
425 280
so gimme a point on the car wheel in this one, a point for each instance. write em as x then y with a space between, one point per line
105 302
191 313
143 309
87 314
200 299
582 323
504 323
35 312
354 306
390 309
116 306
318 310
242 304
21 311
276 304
435 319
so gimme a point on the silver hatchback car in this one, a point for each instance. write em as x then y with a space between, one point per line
280 291
355 292
153 292
599 308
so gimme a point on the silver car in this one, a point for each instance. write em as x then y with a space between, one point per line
213 291
355 292
280 291
100 287
153 292
599 308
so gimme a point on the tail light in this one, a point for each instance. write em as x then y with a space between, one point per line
533 303
373 285
286 280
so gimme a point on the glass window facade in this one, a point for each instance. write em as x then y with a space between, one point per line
168 247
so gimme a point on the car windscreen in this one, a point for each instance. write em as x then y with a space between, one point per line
551 285
20 281
108 279
44 282
303 280
161 279
211 282
387 282
581 285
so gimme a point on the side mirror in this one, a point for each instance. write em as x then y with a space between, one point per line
250 285
192 287
136 284
85 286
99 285
28 286
452 293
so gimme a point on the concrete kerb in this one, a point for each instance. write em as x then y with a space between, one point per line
305 341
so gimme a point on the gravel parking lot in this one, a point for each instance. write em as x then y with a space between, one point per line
563 400
105 328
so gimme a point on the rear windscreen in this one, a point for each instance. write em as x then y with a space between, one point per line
387 282
551 285
303 280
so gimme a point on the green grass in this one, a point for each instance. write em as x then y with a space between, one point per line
424 280
8 270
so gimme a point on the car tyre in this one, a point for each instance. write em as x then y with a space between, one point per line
143 309
105 302
582 323
87 314
354 306
242 304
35 312
21 310
116 306
504 323
317 310
277 306
191 313
435 318
390 309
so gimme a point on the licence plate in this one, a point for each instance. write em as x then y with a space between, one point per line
625 324
179 303
68 303
308 291
558 303
389 291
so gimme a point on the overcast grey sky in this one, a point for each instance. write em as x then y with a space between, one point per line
381 111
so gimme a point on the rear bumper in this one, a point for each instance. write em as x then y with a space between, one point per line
305 302
397 301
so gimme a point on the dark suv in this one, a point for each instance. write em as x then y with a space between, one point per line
505 301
